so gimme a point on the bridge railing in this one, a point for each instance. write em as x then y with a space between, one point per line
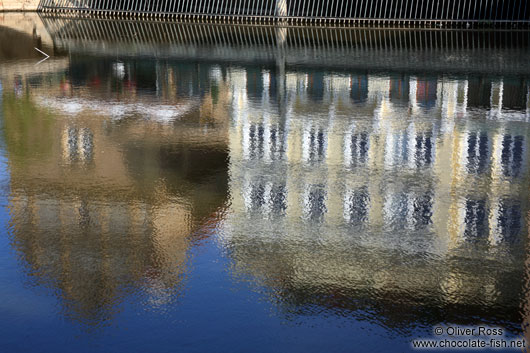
509 13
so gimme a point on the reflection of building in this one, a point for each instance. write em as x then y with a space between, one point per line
101 206
344 187
368 171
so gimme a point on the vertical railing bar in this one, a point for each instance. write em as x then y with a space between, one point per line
359 7
365 14
352 9
177 6
199 8
318 6
378 13
407 14
370 12
432 10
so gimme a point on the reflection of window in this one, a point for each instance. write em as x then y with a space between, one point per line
397 148
357 147
509 217
278 199
315 202
399 89
477 152
266 197
277 142
356 206
512 155
422 210
315 87
424 149
408 210
257 196
475 219
256 140
262 141
314 144
426 92
359 89
78 145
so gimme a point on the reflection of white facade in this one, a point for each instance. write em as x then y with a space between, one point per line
395 162
78 145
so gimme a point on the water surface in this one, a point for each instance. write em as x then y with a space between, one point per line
260 189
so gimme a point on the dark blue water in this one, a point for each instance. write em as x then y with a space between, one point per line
256 196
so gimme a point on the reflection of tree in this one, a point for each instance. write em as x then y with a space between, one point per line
28 130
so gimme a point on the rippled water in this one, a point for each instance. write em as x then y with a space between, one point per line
259 191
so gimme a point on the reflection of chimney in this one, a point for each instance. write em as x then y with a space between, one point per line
496 96
528 101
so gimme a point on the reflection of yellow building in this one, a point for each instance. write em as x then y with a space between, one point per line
344 186
353 183
101 208
320 143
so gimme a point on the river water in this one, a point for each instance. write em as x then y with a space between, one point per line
185 187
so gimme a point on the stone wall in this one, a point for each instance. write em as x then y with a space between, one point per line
29 23
18 5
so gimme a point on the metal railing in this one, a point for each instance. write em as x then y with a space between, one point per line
467 13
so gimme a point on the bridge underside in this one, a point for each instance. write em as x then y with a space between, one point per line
440 13
374 49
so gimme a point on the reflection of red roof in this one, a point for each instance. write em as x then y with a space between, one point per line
426 90
152 273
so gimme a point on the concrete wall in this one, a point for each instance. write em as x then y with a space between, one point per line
18 5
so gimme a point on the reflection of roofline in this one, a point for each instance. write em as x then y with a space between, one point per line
163 113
